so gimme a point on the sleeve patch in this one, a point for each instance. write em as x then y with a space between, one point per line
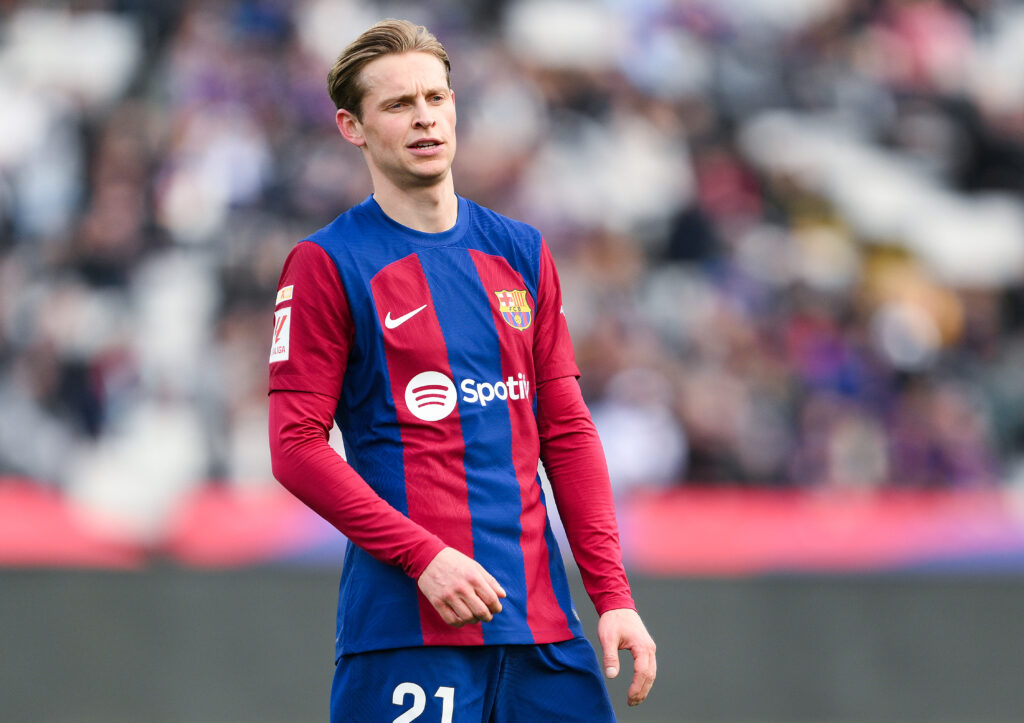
285 293
282 331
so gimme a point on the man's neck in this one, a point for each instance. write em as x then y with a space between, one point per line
431 209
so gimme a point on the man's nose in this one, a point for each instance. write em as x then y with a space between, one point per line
423 118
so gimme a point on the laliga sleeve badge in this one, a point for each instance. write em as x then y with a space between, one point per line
282 331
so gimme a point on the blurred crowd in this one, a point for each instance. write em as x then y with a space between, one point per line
790 234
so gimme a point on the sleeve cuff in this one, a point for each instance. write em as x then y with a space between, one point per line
614 602
419 561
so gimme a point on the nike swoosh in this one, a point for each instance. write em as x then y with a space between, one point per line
395 323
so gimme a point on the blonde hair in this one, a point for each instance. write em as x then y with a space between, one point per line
344 83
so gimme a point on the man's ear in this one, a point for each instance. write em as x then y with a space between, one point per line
350 127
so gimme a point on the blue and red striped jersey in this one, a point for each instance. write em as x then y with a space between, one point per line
447 337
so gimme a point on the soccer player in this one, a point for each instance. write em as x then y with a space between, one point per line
431 329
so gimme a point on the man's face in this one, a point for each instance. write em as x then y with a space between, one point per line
408 125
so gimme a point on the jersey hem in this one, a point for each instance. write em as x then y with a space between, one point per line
549 636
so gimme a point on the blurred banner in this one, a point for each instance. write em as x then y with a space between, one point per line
685 531
744 531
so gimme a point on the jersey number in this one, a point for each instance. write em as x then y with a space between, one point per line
419 702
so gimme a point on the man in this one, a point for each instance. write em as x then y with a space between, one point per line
431 329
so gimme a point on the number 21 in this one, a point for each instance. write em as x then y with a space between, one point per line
419 702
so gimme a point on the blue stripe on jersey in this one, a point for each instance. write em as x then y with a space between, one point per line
495 503
556 568
559 582
373 446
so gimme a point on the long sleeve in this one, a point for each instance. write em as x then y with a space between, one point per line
308 467
313 334
575 465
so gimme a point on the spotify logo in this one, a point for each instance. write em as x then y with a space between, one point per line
430 396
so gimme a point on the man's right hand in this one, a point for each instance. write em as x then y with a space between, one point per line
460 589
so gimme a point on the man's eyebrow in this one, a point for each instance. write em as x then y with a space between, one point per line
388 100
406 97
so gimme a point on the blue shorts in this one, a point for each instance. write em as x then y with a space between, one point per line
479 684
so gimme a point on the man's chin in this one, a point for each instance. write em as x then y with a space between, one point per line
425 179
415 177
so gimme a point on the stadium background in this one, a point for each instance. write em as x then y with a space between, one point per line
791 239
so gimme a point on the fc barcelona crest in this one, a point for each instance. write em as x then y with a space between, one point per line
514 308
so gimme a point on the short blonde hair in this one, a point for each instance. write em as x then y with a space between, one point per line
344 83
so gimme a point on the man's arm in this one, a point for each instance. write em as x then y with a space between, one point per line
574 461
307 466
458 587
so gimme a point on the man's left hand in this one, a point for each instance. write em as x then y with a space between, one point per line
622 629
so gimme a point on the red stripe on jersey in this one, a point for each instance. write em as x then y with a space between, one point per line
433 446
543 613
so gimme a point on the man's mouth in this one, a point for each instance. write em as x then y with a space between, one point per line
425 144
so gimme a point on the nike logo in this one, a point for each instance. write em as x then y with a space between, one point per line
395 323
